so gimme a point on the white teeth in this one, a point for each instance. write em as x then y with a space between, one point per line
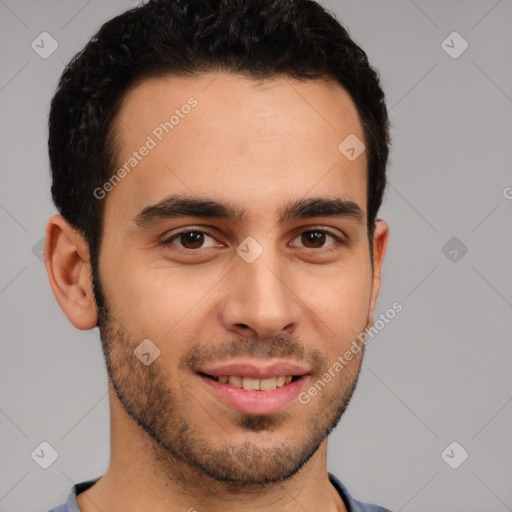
250 384
280 381
267 384
235 381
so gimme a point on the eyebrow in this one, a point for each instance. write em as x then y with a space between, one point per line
176 206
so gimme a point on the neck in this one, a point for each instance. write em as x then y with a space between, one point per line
143 475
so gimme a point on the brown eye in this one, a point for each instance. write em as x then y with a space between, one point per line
316 239
192 239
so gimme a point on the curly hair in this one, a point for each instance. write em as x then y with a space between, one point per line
260 39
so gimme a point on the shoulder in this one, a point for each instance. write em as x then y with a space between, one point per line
60 508
352 504
71 504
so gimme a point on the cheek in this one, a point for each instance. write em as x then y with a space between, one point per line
340 300
162 302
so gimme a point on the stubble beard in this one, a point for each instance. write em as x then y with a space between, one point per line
182 446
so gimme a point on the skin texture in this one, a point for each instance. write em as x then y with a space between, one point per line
174 444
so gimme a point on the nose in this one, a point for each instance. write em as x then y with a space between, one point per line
261 301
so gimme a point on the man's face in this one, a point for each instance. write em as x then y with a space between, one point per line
291 293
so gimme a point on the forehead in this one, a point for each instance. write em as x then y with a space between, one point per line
227 136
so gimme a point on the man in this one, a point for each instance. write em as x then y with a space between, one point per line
218 167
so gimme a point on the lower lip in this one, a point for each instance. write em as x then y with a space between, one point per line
256 402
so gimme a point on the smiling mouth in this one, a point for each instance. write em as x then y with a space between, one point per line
252 384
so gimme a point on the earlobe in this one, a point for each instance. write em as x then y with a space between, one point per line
69 273
380 245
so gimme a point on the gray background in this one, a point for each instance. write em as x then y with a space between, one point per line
439 372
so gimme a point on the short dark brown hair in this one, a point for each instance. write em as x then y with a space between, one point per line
255 38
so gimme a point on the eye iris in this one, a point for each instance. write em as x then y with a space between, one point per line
314 237
193 238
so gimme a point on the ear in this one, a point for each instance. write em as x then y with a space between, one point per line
380 245
69 272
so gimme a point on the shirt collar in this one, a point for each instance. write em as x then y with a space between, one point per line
351 504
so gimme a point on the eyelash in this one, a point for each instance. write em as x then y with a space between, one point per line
339 240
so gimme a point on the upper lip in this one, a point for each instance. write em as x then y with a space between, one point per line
254 371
